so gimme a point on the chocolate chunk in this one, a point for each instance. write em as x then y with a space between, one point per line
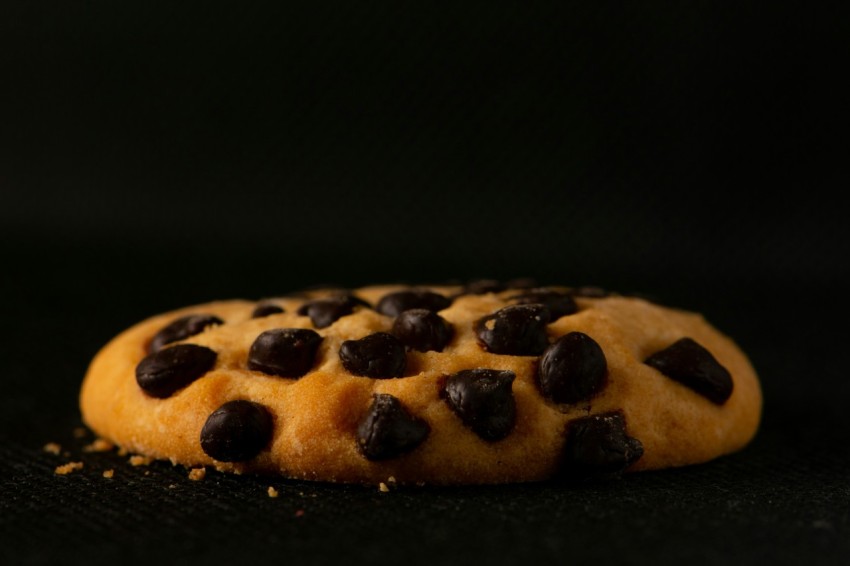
285 352
483 400
162 373
598 444
483 286
692 365
324 312
389 430
521 283
183 328
422 330
379 355
517 330
266 309
237 431
559 304
590 292
393 304
572 369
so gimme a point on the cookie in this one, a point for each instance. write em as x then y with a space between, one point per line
477 384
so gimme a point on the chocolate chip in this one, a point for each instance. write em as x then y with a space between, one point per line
483 400
162 373
572 369
266 309
393 304
598 444
483 286
389 430
522 283
326 311
422 330
692 365
559 304
183 328
590 292
237 431
517 330
379 355
285 352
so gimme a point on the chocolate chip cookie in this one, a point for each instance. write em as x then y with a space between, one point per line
457 384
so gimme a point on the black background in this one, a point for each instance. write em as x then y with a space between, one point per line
153 157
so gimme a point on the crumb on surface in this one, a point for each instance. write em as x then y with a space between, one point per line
273 492
52 447
383 487
99 445
138 460
197 474
108 473
65 469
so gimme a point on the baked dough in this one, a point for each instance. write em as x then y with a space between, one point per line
475 384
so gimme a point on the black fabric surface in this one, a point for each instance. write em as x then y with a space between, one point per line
157 157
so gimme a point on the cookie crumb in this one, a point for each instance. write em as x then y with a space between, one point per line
383 487
197 474
273 492
65 469
52 447
140 460
108 474
99 445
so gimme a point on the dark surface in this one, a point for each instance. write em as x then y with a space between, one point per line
152 158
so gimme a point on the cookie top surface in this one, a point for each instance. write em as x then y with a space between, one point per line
437 384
